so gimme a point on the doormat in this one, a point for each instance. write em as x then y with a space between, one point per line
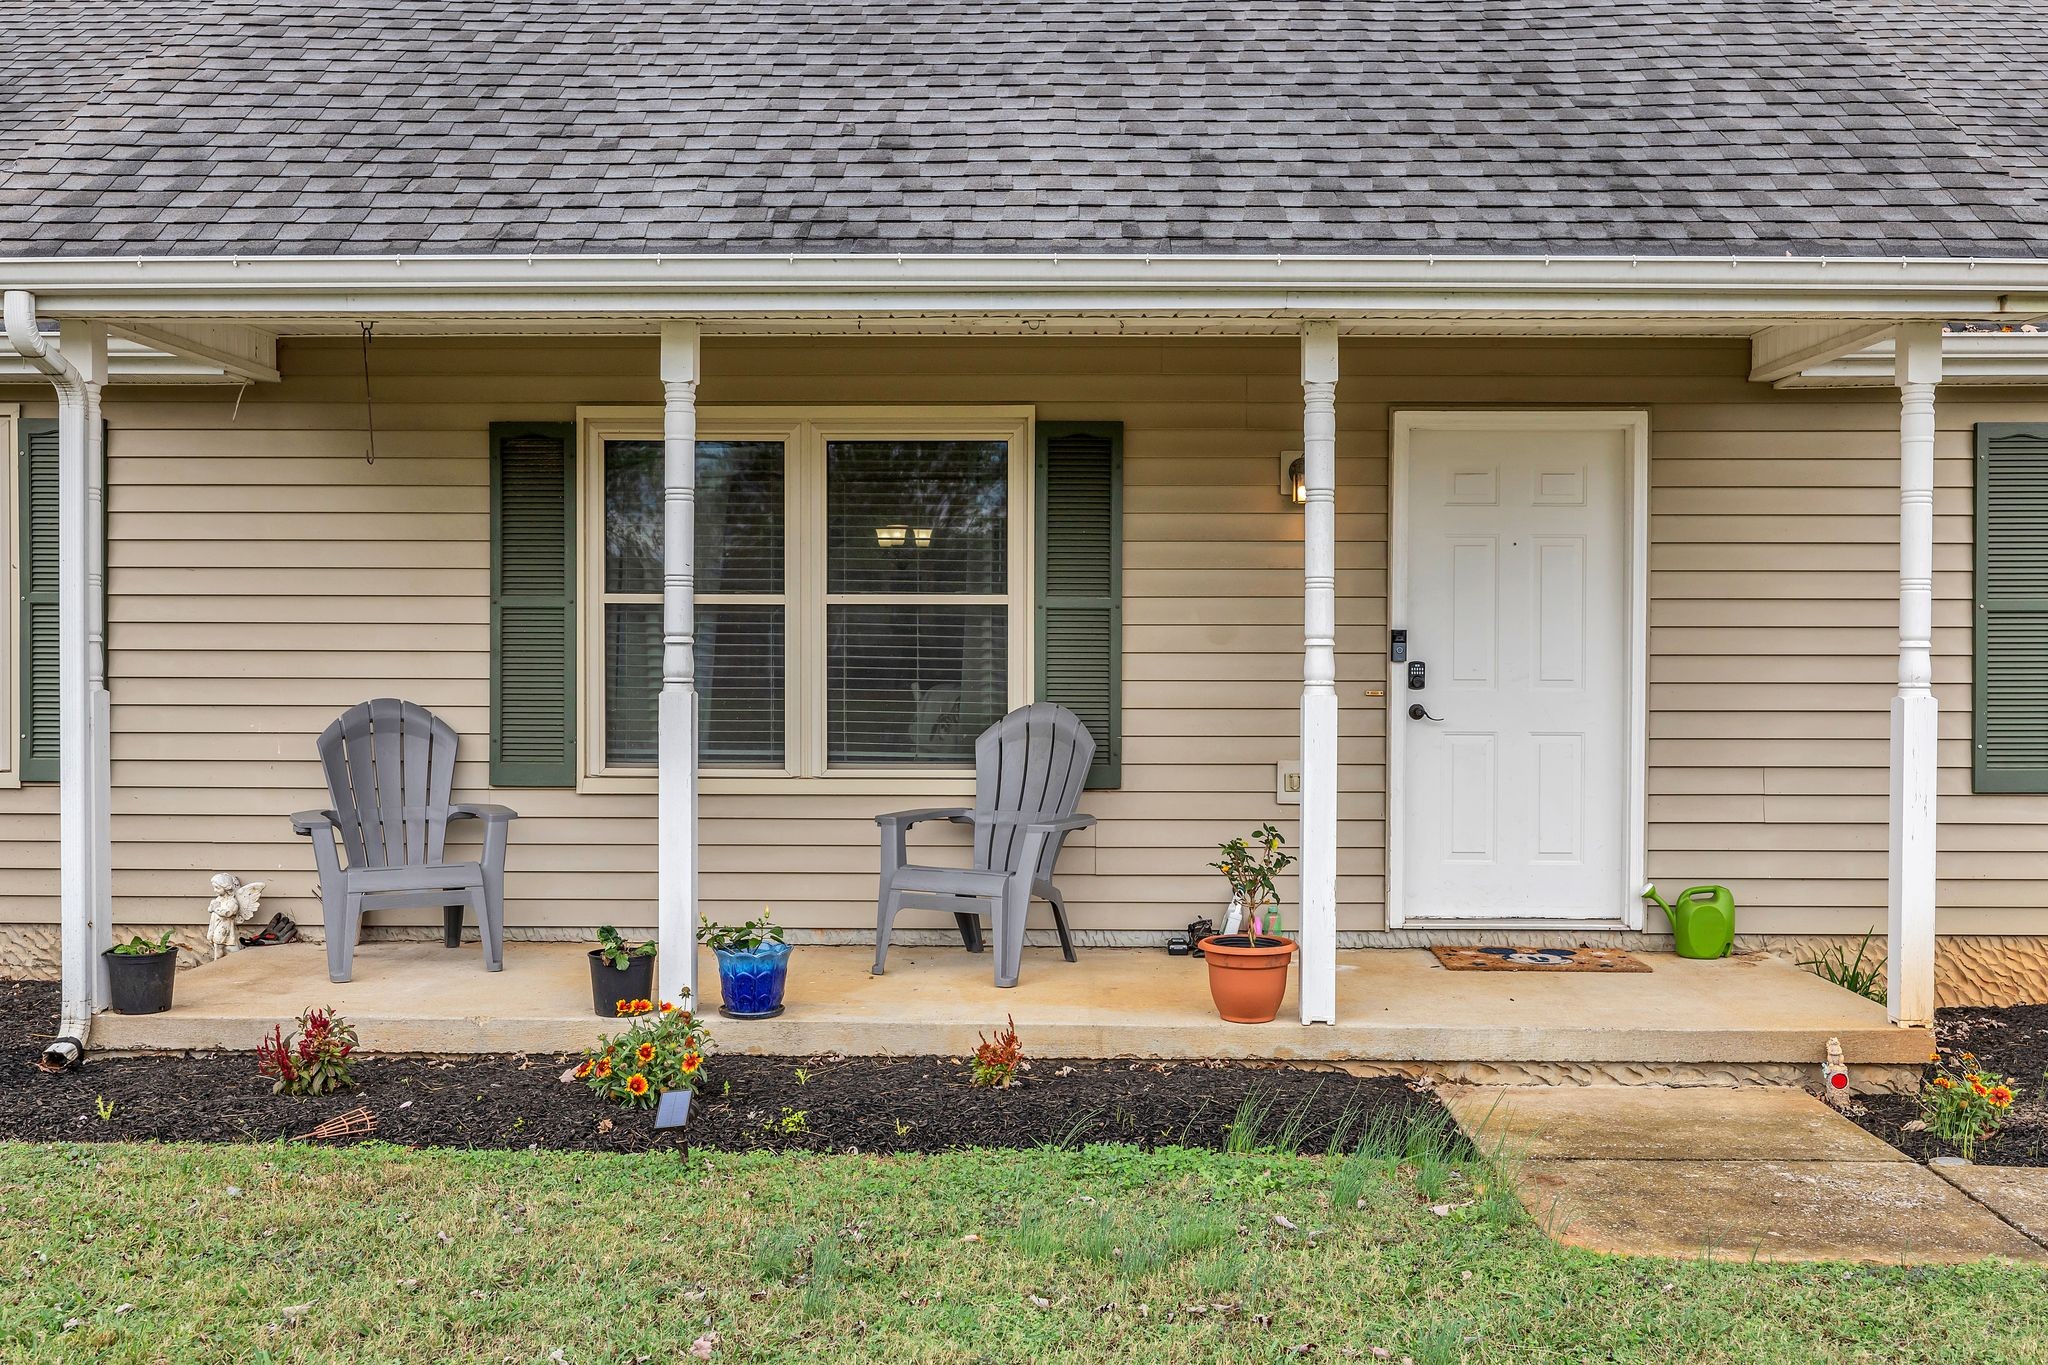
1464 959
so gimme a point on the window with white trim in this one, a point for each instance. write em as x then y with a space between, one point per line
861 578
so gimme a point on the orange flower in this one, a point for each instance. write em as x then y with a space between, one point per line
2000 1096
1976 1086
583 1070
645 1052
667 1005
622 1006
1944 1082
604 1067
636 1084
691 1061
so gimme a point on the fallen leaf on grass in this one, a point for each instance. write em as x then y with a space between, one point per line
1284 1221
702 1347
1037 1302
124 1308
972 1237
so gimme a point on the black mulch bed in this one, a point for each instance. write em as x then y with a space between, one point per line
817 1104
2012 1041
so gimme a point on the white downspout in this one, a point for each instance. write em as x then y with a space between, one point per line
85 925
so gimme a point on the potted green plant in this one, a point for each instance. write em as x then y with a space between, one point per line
621 973
753 965
141 973
1248 961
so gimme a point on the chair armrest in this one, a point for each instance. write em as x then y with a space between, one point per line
904 819
306 821
479 811
1067 823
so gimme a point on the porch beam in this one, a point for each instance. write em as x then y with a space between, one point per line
676 745
1319 675
1916 713
1780 353
241 352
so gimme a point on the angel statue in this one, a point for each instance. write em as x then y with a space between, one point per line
233 903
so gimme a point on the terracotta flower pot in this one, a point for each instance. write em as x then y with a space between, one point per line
1247 976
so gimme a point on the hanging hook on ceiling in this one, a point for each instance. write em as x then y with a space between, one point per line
369 408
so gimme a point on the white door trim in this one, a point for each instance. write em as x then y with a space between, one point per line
1635 427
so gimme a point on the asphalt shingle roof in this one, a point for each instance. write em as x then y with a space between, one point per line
1750 127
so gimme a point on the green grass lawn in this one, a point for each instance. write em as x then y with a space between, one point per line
136 1253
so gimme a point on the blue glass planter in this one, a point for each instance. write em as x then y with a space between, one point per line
750 981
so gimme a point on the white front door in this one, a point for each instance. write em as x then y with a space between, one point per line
1514 791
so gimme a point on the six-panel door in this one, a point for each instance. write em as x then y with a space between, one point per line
1517 585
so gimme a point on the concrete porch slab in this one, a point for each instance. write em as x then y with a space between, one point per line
2018 1194
1894 1213
1659 1123
1396 1006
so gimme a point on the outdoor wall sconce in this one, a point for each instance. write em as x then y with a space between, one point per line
921 537
1293 477
891 537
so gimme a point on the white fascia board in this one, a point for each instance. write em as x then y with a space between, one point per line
2010 358
628 288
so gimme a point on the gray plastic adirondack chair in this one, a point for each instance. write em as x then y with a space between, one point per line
1029 768
390 766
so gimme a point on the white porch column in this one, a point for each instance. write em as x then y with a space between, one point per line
676 750
1319 676
1915 712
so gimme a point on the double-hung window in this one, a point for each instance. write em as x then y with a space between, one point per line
861 578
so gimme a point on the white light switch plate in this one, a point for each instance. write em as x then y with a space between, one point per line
1287 784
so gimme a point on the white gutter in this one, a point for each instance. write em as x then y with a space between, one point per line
79 967
646 286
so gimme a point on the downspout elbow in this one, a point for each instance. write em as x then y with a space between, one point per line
28 342
26 339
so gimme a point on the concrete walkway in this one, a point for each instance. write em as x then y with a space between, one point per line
1762 1173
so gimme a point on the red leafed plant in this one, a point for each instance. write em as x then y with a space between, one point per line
313 1060
997 1060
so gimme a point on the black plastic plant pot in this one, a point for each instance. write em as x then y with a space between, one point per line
609 985
141 982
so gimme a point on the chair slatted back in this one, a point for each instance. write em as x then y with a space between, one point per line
390 768
1033 761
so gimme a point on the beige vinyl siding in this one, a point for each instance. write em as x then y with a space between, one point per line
264 578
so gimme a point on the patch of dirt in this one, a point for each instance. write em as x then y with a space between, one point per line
2012 1041
869 1104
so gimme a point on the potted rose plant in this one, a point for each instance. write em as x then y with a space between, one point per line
620 973
1248 961
141 972
753 965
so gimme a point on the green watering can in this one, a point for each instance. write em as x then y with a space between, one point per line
1702 919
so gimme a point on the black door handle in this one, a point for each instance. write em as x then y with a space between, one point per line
1419 712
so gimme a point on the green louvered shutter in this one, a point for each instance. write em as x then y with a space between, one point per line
1081 582
2011 698
533 604
38 665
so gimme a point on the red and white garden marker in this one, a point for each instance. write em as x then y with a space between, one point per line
1834 1074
